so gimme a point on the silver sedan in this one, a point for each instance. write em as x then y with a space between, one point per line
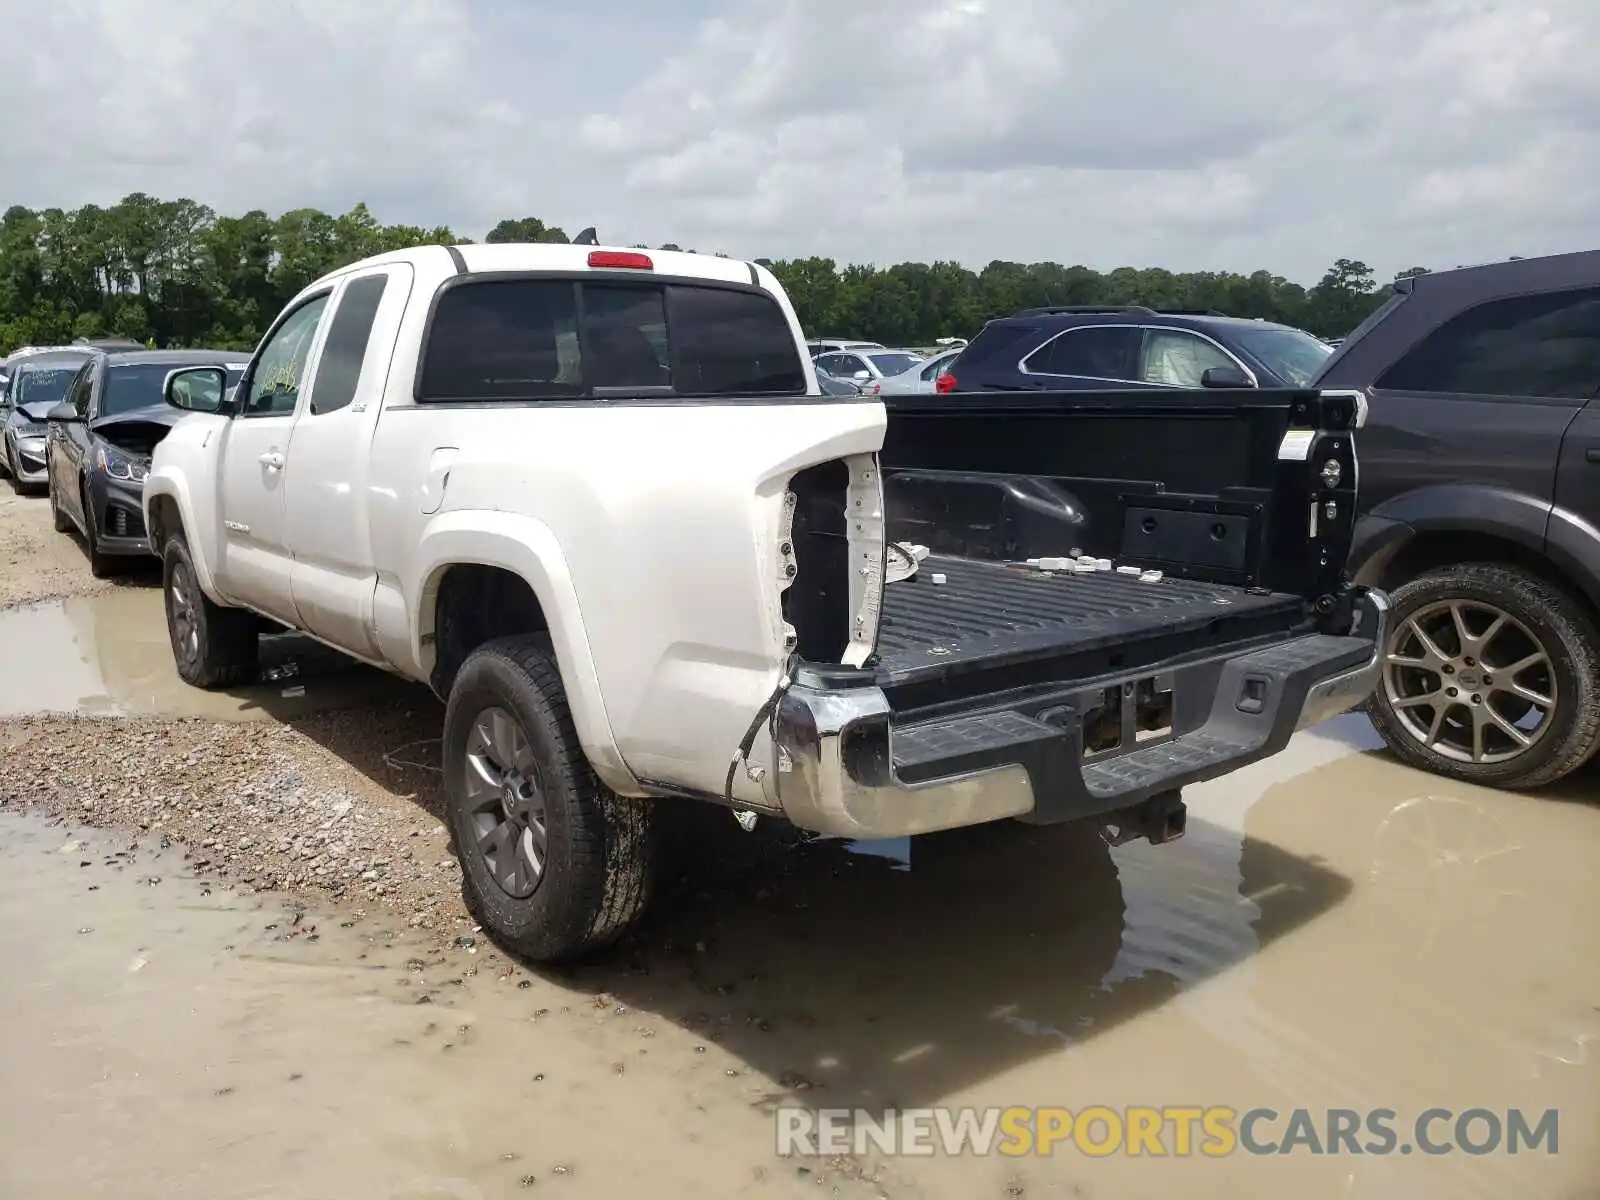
921 377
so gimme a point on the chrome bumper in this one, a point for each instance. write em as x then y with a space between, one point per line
835 774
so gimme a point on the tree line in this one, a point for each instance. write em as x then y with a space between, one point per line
175 273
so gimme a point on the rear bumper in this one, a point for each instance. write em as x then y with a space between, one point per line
847 766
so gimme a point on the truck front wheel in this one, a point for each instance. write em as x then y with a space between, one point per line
553 863
212 646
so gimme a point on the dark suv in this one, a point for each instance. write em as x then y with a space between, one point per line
1066 348
1480 501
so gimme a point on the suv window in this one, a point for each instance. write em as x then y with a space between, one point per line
346 348
1546 345
1093 351
524 339
279 371
1178 358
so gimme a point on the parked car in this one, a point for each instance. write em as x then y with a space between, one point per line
624 600
101 437
1132 346
830 386
1480 493
830 345
38 381
919 377
867 367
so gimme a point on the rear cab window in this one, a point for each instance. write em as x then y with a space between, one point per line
558 337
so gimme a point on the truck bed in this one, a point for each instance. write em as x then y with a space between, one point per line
990 615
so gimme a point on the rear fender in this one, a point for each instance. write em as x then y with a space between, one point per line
527 548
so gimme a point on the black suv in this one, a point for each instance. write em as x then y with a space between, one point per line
1480 503
1074 347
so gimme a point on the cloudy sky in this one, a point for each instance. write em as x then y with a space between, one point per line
1190 134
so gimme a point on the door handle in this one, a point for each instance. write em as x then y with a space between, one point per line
272 461
1592 454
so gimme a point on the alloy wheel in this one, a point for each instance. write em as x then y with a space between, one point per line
183 601
1470 682
505 803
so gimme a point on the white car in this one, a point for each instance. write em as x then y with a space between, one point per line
594 498
922 377
867 367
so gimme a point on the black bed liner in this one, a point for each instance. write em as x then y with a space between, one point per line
991 614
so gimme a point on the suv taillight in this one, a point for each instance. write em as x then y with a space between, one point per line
945 384
877 389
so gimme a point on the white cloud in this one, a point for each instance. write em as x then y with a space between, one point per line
1235 134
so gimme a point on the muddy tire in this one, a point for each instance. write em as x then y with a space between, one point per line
1491 676
553 863
212 646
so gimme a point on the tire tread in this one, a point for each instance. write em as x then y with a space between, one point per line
610 838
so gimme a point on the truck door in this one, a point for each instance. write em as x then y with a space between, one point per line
256 560
333 577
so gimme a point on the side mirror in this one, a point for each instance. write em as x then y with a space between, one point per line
64 413
862 376
1225 377
196 389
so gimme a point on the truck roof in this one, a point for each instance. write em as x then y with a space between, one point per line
543 256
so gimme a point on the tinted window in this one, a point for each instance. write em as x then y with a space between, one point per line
1096 351
521 339
275 380
828 364
625 337
503 340
138 385
1177 358
81 389
346 347
1545 345
732 343
848 365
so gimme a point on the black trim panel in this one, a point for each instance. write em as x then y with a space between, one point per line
456 257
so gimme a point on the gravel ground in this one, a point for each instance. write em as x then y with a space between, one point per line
336 806
37 563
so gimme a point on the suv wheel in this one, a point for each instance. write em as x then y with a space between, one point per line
553 864
1491 676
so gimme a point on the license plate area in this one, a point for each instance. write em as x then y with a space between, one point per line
1119 717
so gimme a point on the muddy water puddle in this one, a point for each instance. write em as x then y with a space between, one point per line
108 653
1335 932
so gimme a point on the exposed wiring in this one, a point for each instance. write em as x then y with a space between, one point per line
764 713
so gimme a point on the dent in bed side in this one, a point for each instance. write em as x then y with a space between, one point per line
528 549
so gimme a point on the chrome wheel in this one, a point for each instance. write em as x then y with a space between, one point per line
182 602
1469 682
505 802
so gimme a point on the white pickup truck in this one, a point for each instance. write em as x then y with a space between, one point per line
594 498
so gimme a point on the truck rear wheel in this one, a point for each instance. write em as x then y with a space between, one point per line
553 863
1491 675
212 646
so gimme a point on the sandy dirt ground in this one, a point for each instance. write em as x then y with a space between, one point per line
237 963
